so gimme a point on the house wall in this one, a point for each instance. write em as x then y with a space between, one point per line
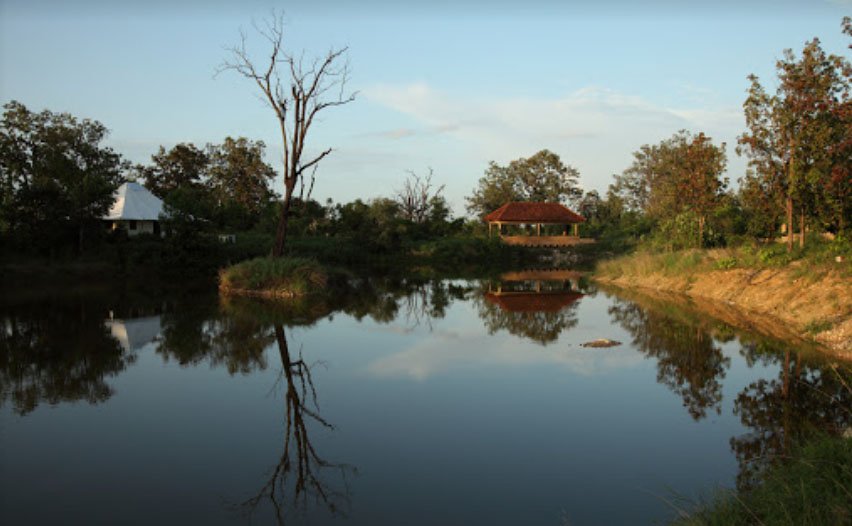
142 227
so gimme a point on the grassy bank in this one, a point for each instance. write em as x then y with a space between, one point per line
273 277
814 261
809 291
812 487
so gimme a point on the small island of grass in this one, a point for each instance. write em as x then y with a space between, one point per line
282 277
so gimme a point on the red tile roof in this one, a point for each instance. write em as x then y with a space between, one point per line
525 212
533 301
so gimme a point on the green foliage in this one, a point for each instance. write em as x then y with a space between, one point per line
227 184
726 263
285 276
809 488
56 178
676 182
677 233
818 326
542 177
797 143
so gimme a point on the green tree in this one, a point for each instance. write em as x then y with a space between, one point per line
677 180
542 177
55 176
183 166
797 139
239 179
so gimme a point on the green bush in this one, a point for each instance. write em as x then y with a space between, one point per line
726 263
275 276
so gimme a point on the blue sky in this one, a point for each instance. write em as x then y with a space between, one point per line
447 85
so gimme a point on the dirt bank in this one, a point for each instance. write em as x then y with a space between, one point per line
819 310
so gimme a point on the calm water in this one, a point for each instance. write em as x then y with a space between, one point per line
399 402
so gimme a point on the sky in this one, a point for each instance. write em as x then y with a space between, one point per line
443 85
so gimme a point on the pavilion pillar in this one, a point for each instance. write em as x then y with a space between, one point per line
576 230
538 229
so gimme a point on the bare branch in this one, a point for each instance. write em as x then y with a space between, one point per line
416 197
309 90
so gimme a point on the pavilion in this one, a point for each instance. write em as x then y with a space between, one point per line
526 214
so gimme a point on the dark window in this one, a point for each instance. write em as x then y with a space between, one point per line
133 225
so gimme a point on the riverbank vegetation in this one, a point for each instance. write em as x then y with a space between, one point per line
273 277
811 487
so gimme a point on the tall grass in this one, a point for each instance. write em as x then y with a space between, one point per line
813 261
813 487
289 276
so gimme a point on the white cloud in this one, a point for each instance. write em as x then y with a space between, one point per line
595 129
447 350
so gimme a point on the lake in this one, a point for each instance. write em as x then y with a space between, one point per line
397 401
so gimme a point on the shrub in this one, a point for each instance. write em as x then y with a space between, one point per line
273 276
726 263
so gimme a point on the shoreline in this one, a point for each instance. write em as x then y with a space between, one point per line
775 301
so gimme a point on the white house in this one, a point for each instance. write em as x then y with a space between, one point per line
136 210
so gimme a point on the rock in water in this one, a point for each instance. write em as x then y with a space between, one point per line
601 342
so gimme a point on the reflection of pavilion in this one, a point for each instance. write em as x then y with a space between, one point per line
135 333
535 290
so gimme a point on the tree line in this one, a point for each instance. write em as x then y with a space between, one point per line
57 178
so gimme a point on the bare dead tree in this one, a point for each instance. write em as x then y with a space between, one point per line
297 90
415 197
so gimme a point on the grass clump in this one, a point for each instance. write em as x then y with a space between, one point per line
266 276
818 326
813 487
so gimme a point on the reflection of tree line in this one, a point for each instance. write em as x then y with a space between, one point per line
808 395
56 353
805 399
688 360
57 348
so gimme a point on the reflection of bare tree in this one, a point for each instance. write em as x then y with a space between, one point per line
688 360
299 474
803 399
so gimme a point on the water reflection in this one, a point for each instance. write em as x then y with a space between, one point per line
689 361
301 474
538 305
809 394
57 352
804 398
66 349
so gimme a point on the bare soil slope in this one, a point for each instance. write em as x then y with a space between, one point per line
814 310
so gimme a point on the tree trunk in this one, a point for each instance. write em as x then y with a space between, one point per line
701 232
789 224
802 227
281 232
80 239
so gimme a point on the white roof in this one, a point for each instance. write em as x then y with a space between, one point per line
133 334
134 202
